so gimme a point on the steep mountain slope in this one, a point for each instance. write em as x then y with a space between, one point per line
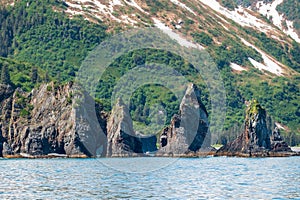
190 18
256 56
283 14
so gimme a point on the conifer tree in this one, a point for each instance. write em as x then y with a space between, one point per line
34 75
5 77
47 78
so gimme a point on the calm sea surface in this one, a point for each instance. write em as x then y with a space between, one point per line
151 178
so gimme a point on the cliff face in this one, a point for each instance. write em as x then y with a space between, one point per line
122 140
188 130
65 120
46 121
257 138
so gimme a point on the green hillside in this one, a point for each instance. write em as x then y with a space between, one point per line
40 43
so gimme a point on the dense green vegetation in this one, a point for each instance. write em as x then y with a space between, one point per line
34 33
291 9
21 74
39 45
148 95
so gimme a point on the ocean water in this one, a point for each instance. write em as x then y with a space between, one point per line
151 178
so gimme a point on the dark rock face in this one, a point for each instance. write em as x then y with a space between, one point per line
188 130
255 136
122 140
148 143
256 139
47 121
277 143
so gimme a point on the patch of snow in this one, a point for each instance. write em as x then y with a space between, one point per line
182 5
182 41
269 10
223 26
74 12
116 2
291 32
101 7
270 64
178 26
279 125
128 20
237 67
240 15
98 9
277 38
222 19
134 4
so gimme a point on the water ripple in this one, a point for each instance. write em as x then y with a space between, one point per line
203 178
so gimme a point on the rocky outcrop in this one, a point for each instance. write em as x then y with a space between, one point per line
277 143
58 120
188 131
122 140
50 120
256 139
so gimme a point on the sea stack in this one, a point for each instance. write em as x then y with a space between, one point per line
122 140
256 140
188 131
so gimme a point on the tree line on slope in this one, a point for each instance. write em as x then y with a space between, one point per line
32 32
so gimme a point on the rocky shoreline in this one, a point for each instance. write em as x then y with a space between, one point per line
190 155
57 121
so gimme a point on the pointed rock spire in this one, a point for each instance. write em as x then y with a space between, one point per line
188 130
122 141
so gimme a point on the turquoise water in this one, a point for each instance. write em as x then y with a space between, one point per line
151 178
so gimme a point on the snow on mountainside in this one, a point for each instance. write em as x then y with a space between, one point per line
182 41
94 8
241 16
182 20
137 13
244 17
112 10
183 6
269 10
270 64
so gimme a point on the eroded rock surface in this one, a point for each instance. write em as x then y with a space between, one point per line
188 131
122 140
47 121
256 138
